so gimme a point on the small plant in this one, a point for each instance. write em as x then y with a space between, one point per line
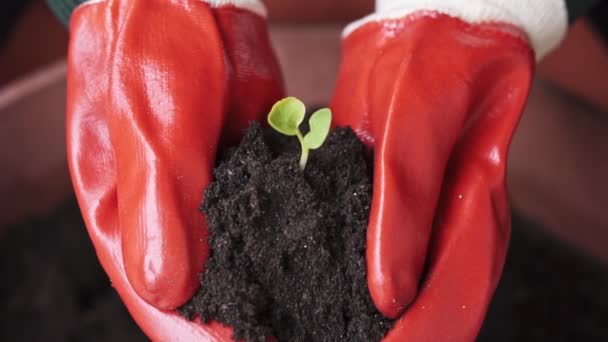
287 115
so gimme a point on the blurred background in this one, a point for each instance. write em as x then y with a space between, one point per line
555 284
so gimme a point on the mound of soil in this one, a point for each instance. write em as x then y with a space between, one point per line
288 247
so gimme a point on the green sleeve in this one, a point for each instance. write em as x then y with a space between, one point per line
578 8
64 8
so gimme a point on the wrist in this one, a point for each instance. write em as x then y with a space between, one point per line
543 21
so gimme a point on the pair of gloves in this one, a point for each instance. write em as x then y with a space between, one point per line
155 87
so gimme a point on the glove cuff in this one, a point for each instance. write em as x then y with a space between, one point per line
255 6
63 8
544 21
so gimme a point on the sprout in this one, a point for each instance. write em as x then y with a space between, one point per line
287 114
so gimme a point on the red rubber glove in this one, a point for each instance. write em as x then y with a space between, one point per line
152 87
146 111
438 96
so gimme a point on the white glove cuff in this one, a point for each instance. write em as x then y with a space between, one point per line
255 6
544 21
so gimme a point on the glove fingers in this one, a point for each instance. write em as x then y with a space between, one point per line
468 250
255 81
403 114
96 192
168 81
93 167
410 160
472 226
90 152
411 96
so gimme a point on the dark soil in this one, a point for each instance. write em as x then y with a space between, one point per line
548 292
288 248
53 288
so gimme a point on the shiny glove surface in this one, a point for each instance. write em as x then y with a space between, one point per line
438 99
153 87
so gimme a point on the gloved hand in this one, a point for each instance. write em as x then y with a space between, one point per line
437 88
438 97
153 85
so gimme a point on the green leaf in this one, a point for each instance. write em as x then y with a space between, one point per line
319 123
286 115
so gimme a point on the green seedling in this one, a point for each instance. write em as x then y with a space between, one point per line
287 115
